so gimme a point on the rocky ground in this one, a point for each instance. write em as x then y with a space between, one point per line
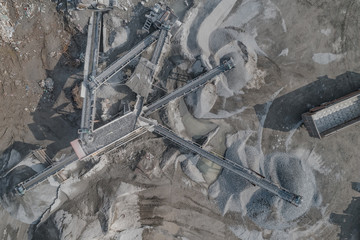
289 57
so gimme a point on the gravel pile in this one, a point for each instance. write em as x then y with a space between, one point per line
233 193
267 210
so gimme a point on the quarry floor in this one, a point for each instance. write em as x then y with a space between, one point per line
312 60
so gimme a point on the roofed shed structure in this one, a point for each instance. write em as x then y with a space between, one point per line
332 116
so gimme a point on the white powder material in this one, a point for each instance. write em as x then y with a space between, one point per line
326 58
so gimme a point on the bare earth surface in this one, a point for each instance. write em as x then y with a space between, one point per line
289 58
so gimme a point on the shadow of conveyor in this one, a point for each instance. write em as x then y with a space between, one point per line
285 111
58 123
54 125
349 221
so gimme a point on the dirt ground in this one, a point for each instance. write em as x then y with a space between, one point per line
144 189
42 46
166 212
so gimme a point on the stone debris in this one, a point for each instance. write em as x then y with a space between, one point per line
47 85
6 26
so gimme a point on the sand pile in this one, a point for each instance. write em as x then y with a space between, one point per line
292 173
225 30
231 29
103 216
9 159
233 193
115 33
30 207
188 165
220 29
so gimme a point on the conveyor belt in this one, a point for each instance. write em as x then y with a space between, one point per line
246 173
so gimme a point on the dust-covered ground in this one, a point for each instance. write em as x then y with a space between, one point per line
289 57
